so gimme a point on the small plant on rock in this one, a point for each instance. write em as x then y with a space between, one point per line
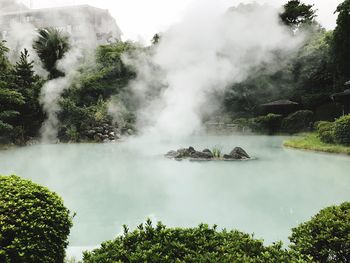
217 150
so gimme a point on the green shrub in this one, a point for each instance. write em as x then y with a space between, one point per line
269 123
326 237
200 244
325 131
243 122
34 224
342 130
72 134
297 122
216 151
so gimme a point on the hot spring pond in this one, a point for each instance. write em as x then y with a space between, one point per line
109 185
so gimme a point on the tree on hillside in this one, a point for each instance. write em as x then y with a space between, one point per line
296 14
84 104
155 39
29 85
51 46
4 63
313 71
341 42
10 99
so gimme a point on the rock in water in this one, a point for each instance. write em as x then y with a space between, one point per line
239 153
207 151
172 154
201 155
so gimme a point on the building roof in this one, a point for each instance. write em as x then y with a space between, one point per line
7 6
280 102
62 16
52 9
344 93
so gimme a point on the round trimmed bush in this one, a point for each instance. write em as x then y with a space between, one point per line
325 131
342 130
326 237
298 121
34 223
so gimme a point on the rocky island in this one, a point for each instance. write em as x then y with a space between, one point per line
206 155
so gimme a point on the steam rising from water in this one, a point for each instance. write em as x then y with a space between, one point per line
204 53
52 91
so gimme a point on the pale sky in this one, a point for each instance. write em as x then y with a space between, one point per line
141 19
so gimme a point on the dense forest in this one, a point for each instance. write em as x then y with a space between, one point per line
308 77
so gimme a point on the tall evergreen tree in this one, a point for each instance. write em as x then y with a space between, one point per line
10 99
341 43
297 14
29 85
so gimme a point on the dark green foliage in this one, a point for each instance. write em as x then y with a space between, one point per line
342 130
297 122
242 123
5 128
297 13
313 71
4 63
201 244
109 76
51 45
326 237
79 120
270 123
155 39
341 42
305 77
85 104
325 131
29 85
244 99
20 112
10 99
34 224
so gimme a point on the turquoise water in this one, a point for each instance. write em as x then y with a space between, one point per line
109 185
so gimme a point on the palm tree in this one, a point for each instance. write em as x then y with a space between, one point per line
51 45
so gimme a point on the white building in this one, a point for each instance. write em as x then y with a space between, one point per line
84 23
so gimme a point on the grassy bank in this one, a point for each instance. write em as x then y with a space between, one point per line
4 147
311 142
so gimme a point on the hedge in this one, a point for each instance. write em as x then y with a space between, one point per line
342 130
326 237
158 243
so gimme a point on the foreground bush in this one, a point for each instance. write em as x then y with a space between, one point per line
34 224
297 122
200 244
325 131
326 237
342 130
